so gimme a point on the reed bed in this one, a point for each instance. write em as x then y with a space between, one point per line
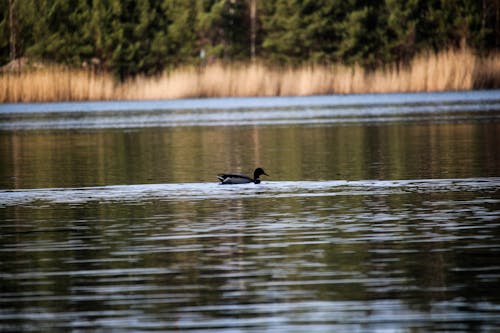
56 83
444 71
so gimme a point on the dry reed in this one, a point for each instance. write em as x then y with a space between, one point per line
444 71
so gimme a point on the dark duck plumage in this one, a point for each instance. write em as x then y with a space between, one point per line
235 178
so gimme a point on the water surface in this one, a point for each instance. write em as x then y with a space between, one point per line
382 213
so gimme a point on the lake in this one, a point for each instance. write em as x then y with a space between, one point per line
380 213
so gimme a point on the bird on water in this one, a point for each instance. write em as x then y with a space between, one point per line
235 178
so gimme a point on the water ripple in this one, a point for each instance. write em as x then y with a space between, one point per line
335 109
277 189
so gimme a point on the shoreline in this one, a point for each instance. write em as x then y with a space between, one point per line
452 70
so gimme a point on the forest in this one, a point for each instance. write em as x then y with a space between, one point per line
146 37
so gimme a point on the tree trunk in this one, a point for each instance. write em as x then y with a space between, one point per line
12 28
253 27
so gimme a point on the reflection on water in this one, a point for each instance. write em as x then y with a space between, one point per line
69 158
368 255
362 226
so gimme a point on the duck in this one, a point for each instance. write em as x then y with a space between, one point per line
235 178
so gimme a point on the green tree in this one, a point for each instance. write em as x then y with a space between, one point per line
289 30
224 28
124 35
490 24
364 35
4 32
131 37
324 31
24 16
57 33
450 23
179 40
402 22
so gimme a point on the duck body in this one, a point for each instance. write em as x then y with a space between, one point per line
236 178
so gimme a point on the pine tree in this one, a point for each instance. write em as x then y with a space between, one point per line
179 40
402 22
288 35
57 31
131 37
224 28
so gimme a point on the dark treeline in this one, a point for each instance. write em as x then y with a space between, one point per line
129 37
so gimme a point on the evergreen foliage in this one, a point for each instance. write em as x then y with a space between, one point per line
129 37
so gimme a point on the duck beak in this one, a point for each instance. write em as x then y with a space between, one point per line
266 174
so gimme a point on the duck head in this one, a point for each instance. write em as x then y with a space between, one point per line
258 172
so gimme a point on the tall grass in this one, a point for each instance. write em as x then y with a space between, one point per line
447 70
55 83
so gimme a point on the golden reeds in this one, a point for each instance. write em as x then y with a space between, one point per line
56 84
447 70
